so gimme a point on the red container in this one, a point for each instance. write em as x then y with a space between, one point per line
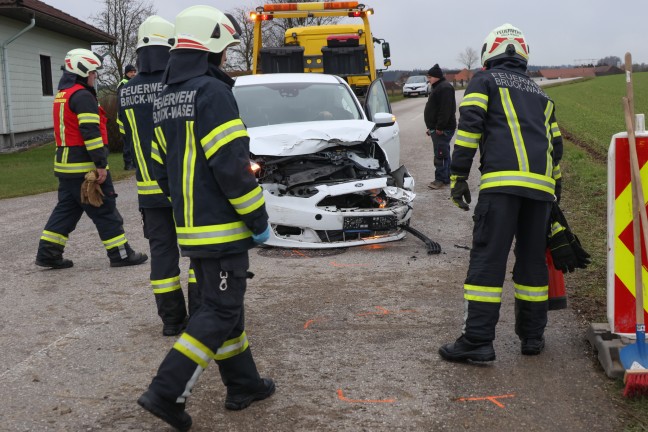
557 293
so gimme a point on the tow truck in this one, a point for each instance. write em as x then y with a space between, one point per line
346 50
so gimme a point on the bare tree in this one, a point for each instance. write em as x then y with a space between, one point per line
120 18
609 61
468 58
240 57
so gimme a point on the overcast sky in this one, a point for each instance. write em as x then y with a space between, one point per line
424 32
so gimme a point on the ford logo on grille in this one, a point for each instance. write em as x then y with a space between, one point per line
359 184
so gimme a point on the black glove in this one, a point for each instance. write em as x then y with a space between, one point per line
459 191
583 259
564 257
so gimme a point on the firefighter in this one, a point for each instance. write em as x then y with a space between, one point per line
201 161
135 119
81 138
127 152
511 121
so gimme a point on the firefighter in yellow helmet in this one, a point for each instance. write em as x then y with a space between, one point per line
200 153
511 120
81 139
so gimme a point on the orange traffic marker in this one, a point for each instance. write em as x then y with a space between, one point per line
488 398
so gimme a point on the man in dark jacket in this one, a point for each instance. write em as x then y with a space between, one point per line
127 152
202 162
441 122
511 120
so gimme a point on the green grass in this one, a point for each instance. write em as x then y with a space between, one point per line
31 171
592 111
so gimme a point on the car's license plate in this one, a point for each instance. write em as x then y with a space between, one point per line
414 93
378 223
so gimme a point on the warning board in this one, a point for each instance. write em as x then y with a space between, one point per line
621 280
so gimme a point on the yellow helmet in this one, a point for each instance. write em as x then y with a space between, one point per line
205 28
155 30
503 42
81 61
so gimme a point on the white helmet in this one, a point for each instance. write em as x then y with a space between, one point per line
155 30
503 42
205 28
82 61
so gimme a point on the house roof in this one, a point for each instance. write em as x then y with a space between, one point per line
567 73
53 19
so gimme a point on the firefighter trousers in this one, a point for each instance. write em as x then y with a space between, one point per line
68 212
499 218
215 332
159 229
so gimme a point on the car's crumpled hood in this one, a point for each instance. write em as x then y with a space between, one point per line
295 139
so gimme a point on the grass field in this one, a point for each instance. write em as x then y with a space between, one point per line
31 171
591 111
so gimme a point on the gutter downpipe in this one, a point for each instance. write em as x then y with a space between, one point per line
5 73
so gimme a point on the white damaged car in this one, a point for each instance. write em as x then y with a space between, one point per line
328 166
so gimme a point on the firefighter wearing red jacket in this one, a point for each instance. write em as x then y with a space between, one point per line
511 120
202 161
81 138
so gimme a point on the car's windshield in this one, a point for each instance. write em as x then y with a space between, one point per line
269 104
416 79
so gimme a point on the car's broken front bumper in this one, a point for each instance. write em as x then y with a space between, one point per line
314 222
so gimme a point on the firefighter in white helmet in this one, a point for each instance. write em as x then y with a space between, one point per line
511 120
81 140
135 118
201 160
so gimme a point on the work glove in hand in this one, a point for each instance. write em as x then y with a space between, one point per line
263 237
460 192
91 192
563 255
583 259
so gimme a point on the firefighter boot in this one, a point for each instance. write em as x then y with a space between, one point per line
463 349
532 346
51 255
132 257
171 412
244 386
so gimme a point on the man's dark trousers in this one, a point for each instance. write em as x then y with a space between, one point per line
441 144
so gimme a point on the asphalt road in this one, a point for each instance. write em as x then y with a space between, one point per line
350 336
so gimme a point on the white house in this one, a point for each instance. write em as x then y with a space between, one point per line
34 38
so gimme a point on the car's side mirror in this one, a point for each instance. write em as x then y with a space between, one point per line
387 62
384 119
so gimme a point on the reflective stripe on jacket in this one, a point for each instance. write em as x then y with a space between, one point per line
80 136
135 120
201 159
512 122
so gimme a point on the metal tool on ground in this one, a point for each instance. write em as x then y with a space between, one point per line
634 357
433 247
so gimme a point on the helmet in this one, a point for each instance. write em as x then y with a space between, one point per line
155 30
205 28
82 61
503 42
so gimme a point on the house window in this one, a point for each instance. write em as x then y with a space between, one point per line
46 75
